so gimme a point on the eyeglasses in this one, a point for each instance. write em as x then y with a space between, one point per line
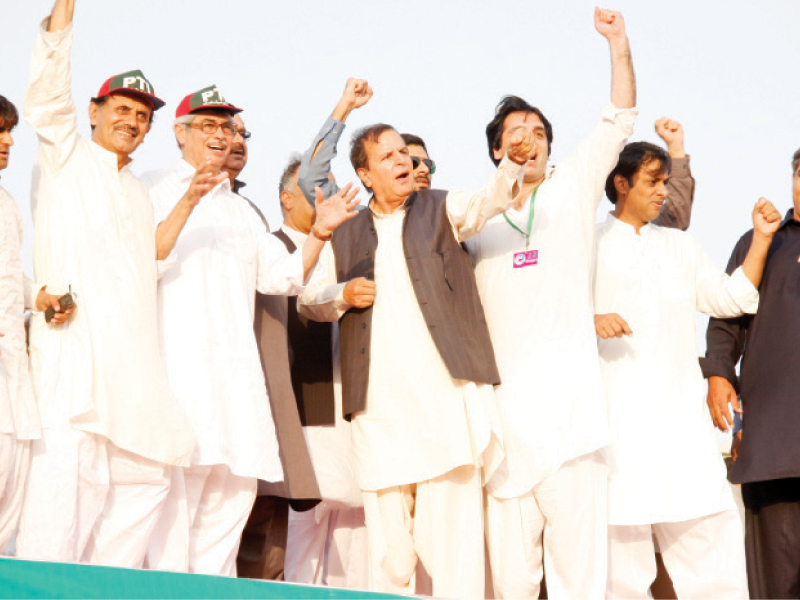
244 133
415 160
211 127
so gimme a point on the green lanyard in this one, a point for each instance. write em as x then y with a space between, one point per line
530 220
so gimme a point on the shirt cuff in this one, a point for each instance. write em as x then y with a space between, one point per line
53 38
331 131
680 168
625 116
744 292
162 266
512 172
338 302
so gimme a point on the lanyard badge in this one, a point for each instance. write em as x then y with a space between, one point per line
529 257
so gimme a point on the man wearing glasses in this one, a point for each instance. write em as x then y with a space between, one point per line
423 165
216 254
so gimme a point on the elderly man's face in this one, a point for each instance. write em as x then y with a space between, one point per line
389 170
6 141
237 159
120 123
199 147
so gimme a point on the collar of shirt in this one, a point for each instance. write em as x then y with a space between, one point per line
298 238
109 158
620 227
398 211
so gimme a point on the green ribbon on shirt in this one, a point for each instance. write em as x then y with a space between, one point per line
530 220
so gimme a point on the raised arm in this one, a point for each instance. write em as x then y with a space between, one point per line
49 108
610 25
677 210
61 16
315 166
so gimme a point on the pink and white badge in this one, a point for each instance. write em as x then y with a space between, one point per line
526 259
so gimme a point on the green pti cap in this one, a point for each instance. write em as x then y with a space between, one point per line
133 83
209 97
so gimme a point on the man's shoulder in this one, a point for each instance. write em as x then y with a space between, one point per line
158 177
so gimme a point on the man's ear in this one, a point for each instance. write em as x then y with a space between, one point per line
287 200
498 154
180 135
93 114
621 185
363 175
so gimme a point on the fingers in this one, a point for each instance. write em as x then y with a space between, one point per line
737 406
360 292
611 325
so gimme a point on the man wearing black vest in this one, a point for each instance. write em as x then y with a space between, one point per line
263 547
417 364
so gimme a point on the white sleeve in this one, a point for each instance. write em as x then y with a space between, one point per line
469 211
719 294
49 108
323 298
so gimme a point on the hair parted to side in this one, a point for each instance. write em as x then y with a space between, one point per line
414 140
288 172
362 137
508 105
633 157
9 117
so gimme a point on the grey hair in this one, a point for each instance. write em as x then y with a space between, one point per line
796 161
184 120
286 177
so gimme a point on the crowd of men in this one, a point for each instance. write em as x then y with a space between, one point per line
446 393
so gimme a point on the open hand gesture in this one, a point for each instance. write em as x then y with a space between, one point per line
335 210
205 179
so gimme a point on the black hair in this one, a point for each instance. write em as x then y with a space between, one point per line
508 105
633 157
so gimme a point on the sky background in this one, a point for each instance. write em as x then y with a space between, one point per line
726 69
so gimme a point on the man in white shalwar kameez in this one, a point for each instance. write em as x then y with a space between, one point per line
19 415
666 476
545 507
216 254
421 436
111 427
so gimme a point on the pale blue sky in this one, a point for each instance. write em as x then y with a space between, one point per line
727 69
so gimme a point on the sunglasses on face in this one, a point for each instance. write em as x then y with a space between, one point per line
415 160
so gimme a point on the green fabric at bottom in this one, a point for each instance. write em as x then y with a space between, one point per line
31 579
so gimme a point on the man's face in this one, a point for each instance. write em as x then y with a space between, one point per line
200 148
646 195
303 214
422 174
795 189
535 168
237 159
389 170
120 124
6 141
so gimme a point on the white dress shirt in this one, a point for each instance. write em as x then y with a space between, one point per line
419 422
93 228
206 303
541 316
663 458
19 415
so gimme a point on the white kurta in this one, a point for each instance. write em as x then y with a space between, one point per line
541 317
206 303
419 422
102 372
19 416
663 459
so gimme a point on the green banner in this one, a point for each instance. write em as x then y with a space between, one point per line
31 579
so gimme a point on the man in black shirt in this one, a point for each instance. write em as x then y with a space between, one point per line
768 462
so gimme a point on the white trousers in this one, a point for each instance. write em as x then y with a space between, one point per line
561 524
15 461
704 557
327 546
439 522
203 519
89 501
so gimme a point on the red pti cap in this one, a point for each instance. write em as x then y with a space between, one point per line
209 97
133 83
